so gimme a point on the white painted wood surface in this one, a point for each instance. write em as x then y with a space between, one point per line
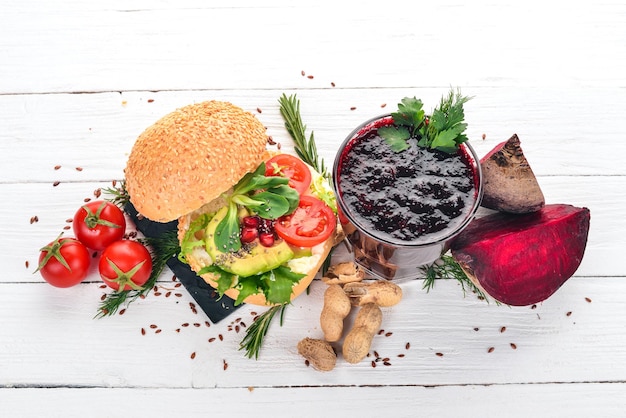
80 80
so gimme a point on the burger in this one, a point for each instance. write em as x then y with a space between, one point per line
254 224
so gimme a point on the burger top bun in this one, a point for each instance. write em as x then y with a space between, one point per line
191 156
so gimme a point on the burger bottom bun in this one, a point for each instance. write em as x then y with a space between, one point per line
322 249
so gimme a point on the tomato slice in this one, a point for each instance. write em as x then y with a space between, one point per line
285 165
310 224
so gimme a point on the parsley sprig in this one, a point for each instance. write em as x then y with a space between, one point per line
442 130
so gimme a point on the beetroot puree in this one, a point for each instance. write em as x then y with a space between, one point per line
415 196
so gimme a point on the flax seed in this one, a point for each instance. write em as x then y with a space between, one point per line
353 108
389 334
207 323
303 73
225 365
490 350
67 227
158 331
57 167
221 337
179 295
26 263
381 332
143 331
407 346
569 313
177 330
121 312
310 77
153 326
56 183
185 325
243 324
383 105
332 84
258 109
237 328
103 286
103 297
167 295
439 354
150 100
157 293
193 355
196 324
502 329
401 355
97 193
514 346
373 363
588 300
211 339
79 169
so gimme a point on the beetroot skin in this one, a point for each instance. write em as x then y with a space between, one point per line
523 259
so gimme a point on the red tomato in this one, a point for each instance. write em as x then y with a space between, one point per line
64 262
285 165
99 223
125 265
310 224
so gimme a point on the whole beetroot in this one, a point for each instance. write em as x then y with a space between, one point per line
523 259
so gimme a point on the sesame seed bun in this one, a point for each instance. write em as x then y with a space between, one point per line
190 157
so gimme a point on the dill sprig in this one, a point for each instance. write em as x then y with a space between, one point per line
255 334
163 248
447 268
305 148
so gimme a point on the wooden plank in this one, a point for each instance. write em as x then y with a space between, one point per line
96 131
49 338
71 46
580 400
53 206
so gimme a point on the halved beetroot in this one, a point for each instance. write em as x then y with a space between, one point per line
523 259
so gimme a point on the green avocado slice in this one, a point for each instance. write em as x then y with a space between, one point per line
251 259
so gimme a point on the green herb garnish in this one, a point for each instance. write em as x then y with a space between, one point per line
443 130
255 333
163 249
305 148
447 268
269 197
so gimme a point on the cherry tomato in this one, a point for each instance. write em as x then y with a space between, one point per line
125 265
64 262
310 224
285 165
99 223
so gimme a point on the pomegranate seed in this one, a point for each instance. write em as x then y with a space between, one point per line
248 235
251 221
266 238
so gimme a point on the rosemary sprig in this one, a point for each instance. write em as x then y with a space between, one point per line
305 148
118 194
253 341
163 248
447 268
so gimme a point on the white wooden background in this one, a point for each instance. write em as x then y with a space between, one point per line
79 80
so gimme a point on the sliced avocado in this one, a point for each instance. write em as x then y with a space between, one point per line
250 259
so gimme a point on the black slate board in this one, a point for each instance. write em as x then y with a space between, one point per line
206 297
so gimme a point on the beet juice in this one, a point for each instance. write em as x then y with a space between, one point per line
399 209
